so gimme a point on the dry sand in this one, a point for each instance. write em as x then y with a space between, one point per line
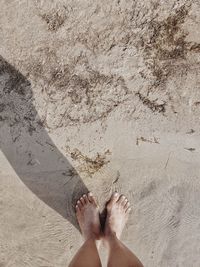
100 96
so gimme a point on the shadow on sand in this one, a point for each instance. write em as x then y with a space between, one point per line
30 150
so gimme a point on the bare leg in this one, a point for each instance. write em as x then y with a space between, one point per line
117 215
88 217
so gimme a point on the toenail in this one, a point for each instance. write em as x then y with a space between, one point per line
90 194
76 206
123 197
78 201
84 196
115 194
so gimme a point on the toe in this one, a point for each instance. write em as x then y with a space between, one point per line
128 210
91 198
113 199
82 201
77 209
79 204
85 199
124 202
121 199
127 205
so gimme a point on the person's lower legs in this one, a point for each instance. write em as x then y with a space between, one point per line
88 217
87 255
117 215
120 255
87 213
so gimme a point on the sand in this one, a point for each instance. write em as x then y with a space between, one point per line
99 96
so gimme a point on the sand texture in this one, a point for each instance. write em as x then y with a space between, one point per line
99 96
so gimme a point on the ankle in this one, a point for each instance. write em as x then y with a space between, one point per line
110 237
111 241
92 236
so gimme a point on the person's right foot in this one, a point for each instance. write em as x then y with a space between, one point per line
117 215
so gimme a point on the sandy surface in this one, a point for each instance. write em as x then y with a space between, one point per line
100 96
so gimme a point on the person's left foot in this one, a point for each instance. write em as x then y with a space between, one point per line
87 213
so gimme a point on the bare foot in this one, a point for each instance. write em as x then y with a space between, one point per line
117 215
87 213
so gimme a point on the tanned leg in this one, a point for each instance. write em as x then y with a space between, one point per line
117 214
87 213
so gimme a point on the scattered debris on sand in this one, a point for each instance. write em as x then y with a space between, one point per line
153 140
86 164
